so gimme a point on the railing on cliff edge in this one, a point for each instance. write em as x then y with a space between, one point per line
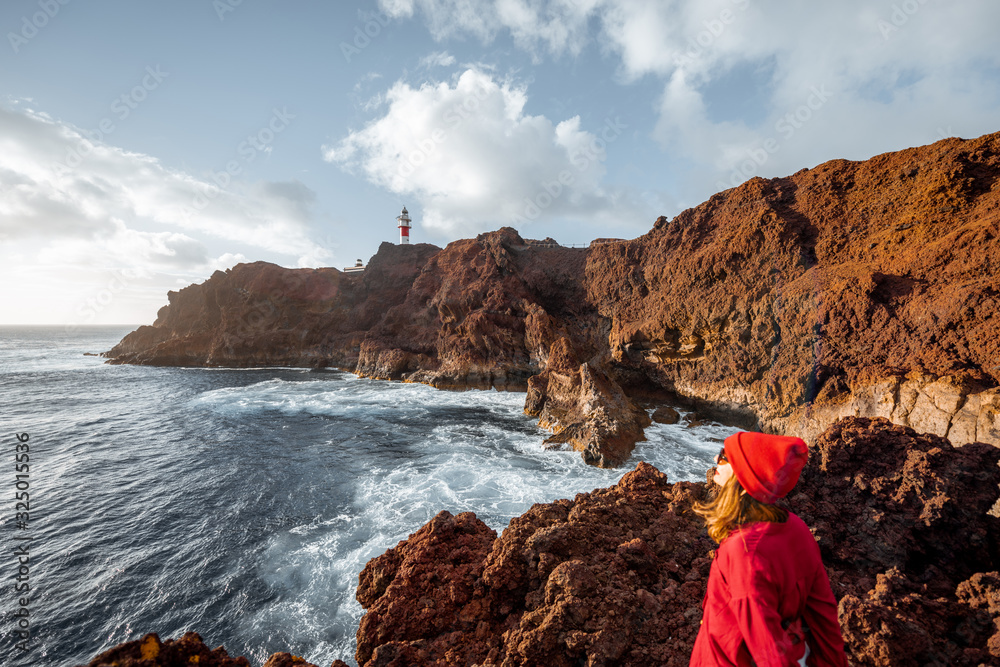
569 245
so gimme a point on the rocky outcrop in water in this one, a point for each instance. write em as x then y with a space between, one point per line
584 407
617 576
855 288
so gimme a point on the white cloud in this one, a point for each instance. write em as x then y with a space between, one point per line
448 17
57 184
120 246
472 157
437 59
557 27
896 71
92 233
835 85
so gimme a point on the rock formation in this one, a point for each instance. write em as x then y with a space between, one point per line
855 288
481 313
585 408
149 651
261 314
484 313
617 576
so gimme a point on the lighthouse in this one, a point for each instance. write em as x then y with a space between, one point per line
404 227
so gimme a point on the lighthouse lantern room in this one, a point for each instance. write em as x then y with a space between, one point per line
404 227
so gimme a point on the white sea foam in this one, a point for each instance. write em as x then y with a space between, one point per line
462 451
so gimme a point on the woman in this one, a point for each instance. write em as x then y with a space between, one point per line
769 600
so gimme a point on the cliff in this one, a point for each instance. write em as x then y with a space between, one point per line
482 313
261 314
866 288
854 288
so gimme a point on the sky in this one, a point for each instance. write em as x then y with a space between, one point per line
145 145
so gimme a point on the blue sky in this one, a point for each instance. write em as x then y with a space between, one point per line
146 145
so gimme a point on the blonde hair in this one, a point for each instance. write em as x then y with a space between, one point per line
732 507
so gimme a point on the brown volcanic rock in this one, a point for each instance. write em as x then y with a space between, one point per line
423 588
982 593
483 314
188 650
495 312
585 408
616 576
261 314
899 498
904 515
601 578
828 286
854 288
149 651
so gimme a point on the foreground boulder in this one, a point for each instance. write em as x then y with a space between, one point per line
617 576
188 650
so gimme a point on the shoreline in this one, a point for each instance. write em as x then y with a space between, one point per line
617 574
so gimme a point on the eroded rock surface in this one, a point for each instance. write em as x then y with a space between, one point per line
261 314
149 651
584 407
855 288
617 576
484 313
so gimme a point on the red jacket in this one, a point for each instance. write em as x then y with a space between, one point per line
766 586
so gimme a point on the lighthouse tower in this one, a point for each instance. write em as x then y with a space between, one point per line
404 227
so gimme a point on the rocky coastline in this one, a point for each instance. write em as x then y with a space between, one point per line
854 304
616 576
851 289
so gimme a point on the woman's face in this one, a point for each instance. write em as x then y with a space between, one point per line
723 471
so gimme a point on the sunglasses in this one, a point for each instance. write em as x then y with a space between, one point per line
721 457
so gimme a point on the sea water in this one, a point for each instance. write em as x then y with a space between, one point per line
243 504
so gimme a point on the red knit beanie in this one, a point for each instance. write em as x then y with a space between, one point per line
767 466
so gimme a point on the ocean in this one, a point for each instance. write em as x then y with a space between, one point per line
243 504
